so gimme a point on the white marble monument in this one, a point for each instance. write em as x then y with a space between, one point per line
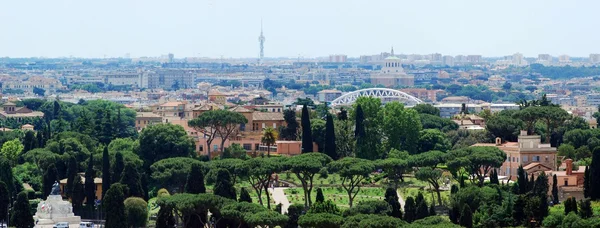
55 210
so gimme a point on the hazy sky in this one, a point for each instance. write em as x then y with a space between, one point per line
309 28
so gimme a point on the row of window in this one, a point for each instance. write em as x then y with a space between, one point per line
535 158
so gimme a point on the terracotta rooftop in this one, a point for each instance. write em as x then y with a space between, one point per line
240 109
258 116
171 104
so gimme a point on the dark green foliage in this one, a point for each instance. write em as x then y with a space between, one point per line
342 115
422 210
330 147
293 213
160 141
369 207
245 196
165 218
77 194
131 179
223 186
410 210
466 217
554 190
586 210
453 189
432 210
320 197
374 221
522 180
4 202
518 213
391 197
586 182
6 175
594 192
114 207
454 213
50 177
118 167
29 141
72 171
320 220
195 180
427 109
90 186
307 142
570 205
290 131
494 177
136 210
324 207
21 216
106 180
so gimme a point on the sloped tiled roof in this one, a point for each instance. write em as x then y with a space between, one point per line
273 116
240 109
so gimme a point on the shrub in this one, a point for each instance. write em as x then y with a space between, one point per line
136 211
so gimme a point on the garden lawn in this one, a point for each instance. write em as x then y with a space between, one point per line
337 194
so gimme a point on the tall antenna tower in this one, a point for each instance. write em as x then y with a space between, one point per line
261 40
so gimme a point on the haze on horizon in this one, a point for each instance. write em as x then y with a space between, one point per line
309 28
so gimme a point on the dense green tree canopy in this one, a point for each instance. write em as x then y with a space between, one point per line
162 141
171 173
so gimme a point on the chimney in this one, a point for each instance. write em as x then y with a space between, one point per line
523 133
498 141
569 166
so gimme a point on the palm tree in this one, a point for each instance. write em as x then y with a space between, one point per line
269 136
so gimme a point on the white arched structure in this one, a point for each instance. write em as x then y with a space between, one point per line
385 94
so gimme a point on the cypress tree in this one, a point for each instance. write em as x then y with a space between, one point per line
522 180
530 183
40 138
71 173
6 176
586 209
165 218
330 147
4 202
195 180
307 142
21 213
422 210
223 186
586 182
343 115
419 198
107 129
77 194
518 213
432 210
29 141
466 217
454 213
114 207
131 179
554 190
494 177
245 196
359 131
391 197
118 167
594 183
320 197
453 189
106 180
410 210
50 177
90 186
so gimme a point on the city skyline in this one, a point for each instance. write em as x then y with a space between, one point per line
230 28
